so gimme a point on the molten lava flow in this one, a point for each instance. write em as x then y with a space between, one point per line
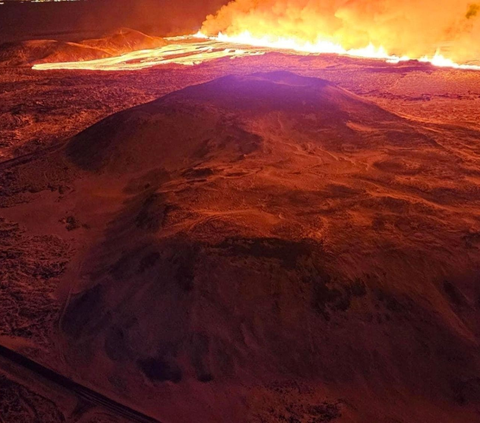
185 50
195 49
389 30
443 32
321 46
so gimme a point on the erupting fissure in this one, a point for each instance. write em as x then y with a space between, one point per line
195 49
444 33
322 46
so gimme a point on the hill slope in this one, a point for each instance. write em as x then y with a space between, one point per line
265 248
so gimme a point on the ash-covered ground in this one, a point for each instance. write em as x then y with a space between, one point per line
296 245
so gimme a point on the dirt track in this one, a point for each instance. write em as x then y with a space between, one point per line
87 396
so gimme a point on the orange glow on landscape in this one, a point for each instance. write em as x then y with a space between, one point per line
322 47
195 49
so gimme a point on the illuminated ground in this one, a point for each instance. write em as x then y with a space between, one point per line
40 108
367 221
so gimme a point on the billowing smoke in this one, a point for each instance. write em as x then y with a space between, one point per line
403 27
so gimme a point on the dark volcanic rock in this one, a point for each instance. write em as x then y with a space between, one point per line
257 247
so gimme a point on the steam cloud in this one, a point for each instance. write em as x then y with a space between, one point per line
403 27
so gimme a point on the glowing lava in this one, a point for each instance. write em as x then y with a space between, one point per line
184 50
195 49
322 47
444 33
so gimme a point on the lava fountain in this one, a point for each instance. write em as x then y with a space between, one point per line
442 32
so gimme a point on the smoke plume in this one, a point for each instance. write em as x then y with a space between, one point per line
414 28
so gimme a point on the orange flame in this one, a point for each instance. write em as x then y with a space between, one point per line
323 46
195 49
444 33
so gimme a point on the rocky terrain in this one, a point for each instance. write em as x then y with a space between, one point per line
266 246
